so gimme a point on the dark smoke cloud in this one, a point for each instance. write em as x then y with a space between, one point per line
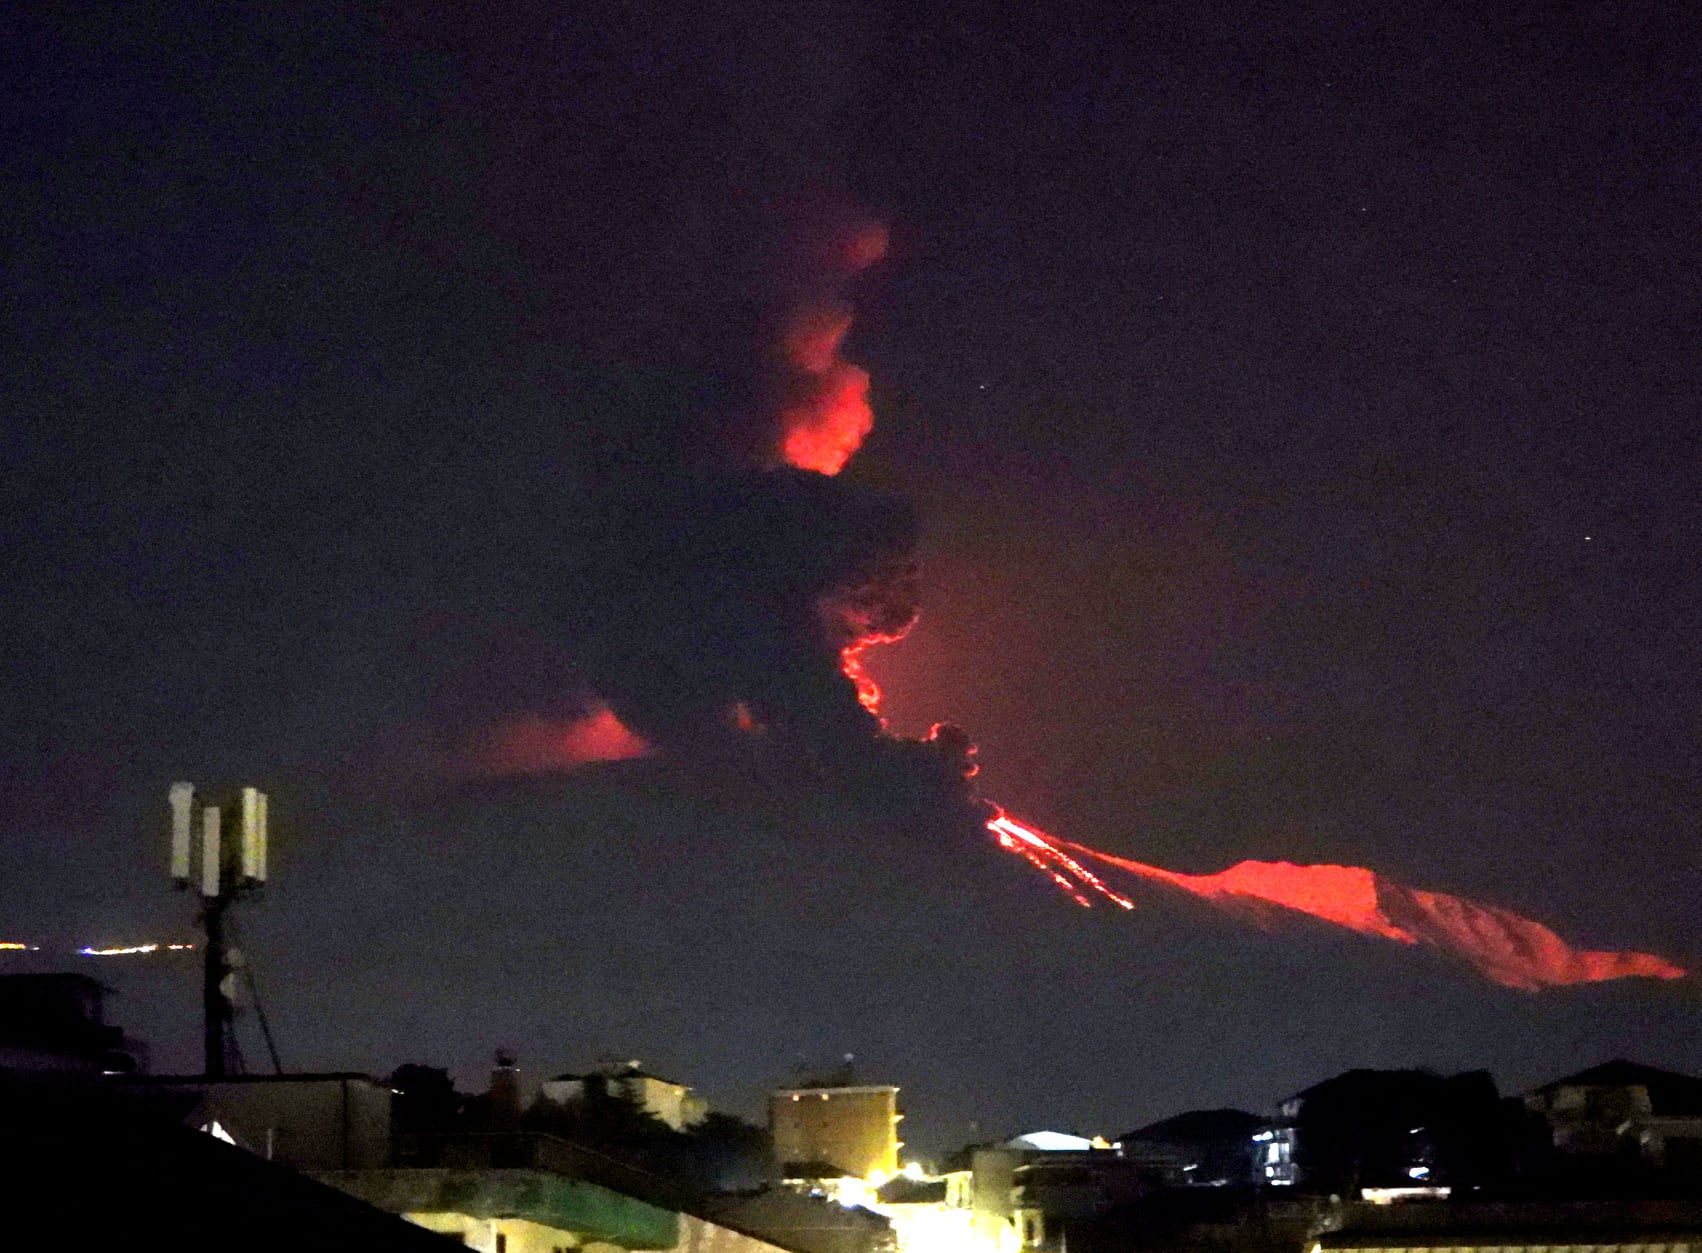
709 612
709 593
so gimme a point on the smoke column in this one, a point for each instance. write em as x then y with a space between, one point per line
825 413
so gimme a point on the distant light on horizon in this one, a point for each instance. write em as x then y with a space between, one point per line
92 950
132 950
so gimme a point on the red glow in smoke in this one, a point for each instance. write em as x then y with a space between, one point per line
1512 950
862 246
534 745
851 665
827 412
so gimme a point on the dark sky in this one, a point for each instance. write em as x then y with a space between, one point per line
1297 405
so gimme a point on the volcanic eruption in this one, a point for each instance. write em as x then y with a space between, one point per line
739 606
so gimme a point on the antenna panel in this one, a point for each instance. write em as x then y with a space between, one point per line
182 829
265 837
210 863
253 834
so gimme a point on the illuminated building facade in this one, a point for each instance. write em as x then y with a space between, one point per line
852 1128
929 1214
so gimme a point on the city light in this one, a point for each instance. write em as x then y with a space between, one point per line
132 950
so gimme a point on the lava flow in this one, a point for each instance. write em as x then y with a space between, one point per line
1508 948
1042 852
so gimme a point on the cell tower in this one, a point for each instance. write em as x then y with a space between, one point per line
224 856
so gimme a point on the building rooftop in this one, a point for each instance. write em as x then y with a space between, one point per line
1197 1125
906 1191
624 1070
1049 1142
96 1168
814 1169
1669 1091
329 1076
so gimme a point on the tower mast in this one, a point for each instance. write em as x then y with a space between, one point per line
225 861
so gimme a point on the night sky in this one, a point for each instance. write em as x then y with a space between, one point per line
1293 409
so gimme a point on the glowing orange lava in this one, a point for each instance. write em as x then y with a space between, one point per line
535 745
851 665
1508 948
827 413
1042 852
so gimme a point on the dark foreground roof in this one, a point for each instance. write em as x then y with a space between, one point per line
902 1191
89 1168
1518 1224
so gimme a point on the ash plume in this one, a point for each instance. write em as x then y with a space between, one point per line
715 595
714 621
713 616
735 579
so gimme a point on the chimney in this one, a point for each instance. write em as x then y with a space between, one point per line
505 1095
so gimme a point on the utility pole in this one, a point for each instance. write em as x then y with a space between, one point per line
217 1007
224 866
